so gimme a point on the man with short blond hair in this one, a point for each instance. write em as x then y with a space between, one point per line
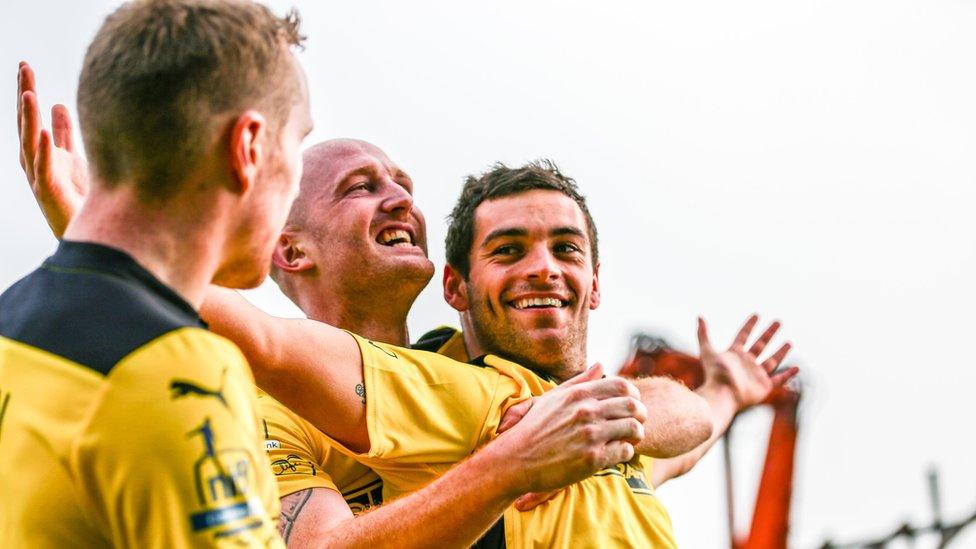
125 421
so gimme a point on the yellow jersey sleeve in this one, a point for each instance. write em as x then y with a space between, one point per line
295 449
422 407
173 457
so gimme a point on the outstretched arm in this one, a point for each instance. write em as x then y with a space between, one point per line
678 420
735 379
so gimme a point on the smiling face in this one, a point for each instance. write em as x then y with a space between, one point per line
357 224
532 281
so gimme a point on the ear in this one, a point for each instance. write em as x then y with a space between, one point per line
455 289
595 292
289 256
247 152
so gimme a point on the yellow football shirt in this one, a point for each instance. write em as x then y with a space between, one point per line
303 458
450 342
426 412
123 421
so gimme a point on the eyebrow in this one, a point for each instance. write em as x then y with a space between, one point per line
564 231
519 232
502 233
368 169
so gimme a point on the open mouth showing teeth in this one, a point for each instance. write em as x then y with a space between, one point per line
538 303
395 238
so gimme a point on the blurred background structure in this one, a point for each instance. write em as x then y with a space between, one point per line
810 160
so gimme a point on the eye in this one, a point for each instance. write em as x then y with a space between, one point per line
506 249
566 248
363 185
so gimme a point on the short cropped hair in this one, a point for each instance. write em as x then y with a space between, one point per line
498 182
160 75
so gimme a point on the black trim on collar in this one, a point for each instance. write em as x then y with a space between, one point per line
76 254
92 305
435 339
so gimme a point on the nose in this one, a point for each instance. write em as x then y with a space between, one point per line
397 201
541 265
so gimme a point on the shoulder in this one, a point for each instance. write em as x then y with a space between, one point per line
92 318
418 363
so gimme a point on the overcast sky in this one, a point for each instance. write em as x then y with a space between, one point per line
808 160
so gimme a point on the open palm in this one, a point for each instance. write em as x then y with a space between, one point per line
58 175
738 368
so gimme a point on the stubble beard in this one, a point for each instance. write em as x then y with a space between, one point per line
558 359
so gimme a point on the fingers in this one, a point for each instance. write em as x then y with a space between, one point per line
25 82
773 362
534 499
622 407
704 345
618 451
764 339
43 165
743 335
30 132
62 128
625 429
514 414
604 388
780 378
590 374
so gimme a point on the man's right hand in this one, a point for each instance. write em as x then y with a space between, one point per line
58 175
583 426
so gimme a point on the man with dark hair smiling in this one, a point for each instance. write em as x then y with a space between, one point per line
523 272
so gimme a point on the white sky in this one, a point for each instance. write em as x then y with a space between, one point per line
808 160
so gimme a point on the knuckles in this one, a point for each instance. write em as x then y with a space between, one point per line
591 433
585 413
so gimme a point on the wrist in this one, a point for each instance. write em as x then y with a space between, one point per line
721 398
499 459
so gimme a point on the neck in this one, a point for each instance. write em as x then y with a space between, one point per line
169 242
385 322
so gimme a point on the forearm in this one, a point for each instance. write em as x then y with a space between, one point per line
453 511
678 419
723 408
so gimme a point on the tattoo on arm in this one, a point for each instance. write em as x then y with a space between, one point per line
361 391
291 507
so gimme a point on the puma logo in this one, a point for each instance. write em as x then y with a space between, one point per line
180 388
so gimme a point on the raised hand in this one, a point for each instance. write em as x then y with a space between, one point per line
738 368
58 175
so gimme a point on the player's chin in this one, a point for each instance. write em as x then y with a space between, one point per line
243 275
408 265
541 336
